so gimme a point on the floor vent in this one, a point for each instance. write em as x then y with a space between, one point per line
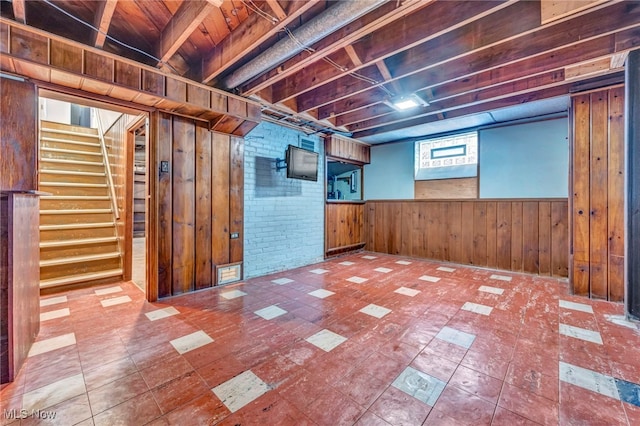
228 273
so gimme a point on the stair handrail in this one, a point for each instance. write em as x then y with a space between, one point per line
107 165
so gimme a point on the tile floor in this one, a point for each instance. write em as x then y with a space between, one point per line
361 339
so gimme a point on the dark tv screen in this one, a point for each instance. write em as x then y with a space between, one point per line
302 163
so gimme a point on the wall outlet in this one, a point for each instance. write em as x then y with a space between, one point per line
234 235
164 167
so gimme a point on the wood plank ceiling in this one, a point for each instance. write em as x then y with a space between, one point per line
460 57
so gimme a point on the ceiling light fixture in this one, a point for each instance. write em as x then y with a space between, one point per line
405 102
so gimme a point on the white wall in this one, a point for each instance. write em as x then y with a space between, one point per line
390 174
56 111
525 161
283 218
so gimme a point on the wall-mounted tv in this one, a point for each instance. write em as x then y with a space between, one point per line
302 163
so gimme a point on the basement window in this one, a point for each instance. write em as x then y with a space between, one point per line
453 156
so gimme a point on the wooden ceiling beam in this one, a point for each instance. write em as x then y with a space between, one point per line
442 87
367 113
353 55
19 11
103 21
414 28
498 54
511 20
512 88
186 19
468 110
277 9
378 18
252 32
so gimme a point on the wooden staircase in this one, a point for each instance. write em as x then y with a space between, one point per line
78 237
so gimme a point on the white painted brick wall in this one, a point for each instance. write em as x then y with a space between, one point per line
283 218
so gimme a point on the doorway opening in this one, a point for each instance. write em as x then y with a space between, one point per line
86 218
138 135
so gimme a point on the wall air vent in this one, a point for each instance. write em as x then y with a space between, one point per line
307 144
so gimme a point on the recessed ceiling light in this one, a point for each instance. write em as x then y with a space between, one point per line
405 102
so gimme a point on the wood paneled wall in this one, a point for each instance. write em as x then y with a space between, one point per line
18 133
517 235
344 227
19 280
52 59
200 202
446 189
346 148
597 188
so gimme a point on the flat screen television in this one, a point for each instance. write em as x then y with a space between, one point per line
302 163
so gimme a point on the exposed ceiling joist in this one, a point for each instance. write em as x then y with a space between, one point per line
103 20
468 110
186 19
383 15
252 32
19 12
535 51
408 34
277 9
353 55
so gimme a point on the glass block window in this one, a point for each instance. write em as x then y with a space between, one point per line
447 157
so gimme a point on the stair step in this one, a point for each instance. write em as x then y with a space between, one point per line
74 279
71 184
76 211
69 141
69 151
71 172
79 259
65 161
77 242
69 132
76 197
76 226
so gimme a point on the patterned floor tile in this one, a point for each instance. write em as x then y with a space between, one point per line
456 337
115 301
321 293
51 344
191 341
581 333
326 340
429 278
357 280
582 307
233 294
419 385
241 390
58 313
492 290
162 313
270 312
375 311
53 301
629 392
588 379
407 291
109 290
476 308
500 277
282 281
